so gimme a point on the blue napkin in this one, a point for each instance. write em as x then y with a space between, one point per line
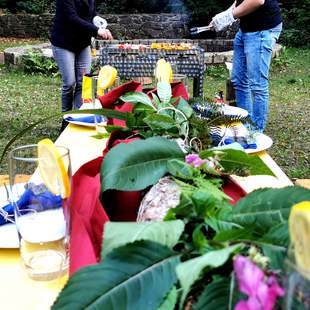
29 200
84 119
242 142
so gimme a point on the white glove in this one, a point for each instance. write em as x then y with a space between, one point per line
223 19
100 22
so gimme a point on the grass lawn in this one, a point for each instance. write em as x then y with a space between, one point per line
27 98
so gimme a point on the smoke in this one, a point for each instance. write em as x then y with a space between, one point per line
177 6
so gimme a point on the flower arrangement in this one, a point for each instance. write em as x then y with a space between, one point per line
204 253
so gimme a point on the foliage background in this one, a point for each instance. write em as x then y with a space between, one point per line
296 13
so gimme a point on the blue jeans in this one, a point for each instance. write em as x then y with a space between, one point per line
251 62
72 67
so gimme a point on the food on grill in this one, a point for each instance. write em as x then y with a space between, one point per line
133 63
129 46
182 46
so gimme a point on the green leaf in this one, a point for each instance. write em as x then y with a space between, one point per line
164 91
137 97
105 135
265 208
142 108
235 234
180 169
117 233
190 271
184 209
156 100
184 107
276 256
170 301
161 123
278 234
234 161
138 164
110 128
135 276
221 220
220 225
215 296
200 241
278 239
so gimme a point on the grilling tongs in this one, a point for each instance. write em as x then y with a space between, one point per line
197 30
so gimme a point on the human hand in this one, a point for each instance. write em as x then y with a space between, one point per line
223 19
105 34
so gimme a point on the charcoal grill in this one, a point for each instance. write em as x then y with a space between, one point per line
141 62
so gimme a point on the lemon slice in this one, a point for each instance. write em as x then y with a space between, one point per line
299 227
53 169
106 77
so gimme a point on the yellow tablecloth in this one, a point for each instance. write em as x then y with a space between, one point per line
17 291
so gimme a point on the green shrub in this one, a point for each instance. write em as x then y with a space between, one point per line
28 6
296 20
35 62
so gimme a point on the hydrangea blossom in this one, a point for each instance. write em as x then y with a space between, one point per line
261 290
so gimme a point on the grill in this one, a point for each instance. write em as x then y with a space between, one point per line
132 63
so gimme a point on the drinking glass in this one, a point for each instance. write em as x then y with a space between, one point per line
297 285
41 217
178 77
100 120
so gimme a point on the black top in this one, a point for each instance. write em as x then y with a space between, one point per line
73 28
265 17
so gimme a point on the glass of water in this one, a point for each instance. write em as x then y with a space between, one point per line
41 214
297 285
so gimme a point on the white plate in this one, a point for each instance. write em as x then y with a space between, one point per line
263 143
226 109
234 111
79 122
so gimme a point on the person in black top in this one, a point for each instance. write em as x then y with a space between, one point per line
260 28
71 34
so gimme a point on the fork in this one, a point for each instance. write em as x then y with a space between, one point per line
197 30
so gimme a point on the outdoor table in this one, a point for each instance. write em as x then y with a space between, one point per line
17 291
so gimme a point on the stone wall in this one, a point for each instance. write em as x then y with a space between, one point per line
123 26
25 25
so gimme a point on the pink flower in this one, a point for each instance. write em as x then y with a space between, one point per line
191 158
194 160
262 291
